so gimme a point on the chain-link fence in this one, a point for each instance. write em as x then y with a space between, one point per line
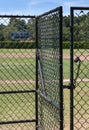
31 87
17 73
80 39
50 70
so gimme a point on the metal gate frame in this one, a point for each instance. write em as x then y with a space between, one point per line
48 100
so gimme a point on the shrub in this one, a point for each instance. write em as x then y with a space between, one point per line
32 45
17 44
77 45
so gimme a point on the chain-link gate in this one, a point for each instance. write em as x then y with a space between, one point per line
17 73
79 68
49 33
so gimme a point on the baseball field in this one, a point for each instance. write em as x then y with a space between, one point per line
18 73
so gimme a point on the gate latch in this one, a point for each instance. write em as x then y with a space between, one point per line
78 61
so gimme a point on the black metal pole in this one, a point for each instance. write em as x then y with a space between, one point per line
80 8
36 74
60 69
17 122
16 16
71 71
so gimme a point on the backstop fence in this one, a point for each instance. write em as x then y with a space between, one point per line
31 72
17 74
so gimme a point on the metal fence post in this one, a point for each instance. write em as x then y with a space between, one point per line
71 70
61 70
36 100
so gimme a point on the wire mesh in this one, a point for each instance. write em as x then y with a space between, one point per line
49 72
48 116
17 73
81 69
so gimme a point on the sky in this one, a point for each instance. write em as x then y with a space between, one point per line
37 7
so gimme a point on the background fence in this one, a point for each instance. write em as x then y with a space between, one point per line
17 75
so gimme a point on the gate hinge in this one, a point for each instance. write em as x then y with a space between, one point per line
68 87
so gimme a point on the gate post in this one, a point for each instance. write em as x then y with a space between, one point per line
36 97
61 69
71 70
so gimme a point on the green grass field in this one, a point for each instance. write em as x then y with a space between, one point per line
81 95
17 72
83 73
20 71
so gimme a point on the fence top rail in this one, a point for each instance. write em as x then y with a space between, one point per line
16 16
49 12
79 8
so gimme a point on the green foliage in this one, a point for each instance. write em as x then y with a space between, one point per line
66 45
16 25
32 45
31 28
80 45
17 44
81 28
81 31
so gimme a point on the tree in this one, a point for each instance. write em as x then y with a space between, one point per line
31 28
18 24
1 32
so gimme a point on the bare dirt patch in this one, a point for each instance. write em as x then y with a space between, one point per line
16 81
18 55
82 57
78 80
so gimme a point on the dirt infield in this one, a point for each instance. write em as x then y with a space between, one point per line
26 55
18 55
2 82
82 57
78 80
